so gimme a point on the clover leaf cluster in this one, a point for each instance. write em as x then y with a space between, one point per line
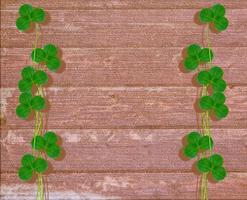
30 165
213 165
27 102
196 143
215 104
214 101
33 79
215 16
47 143
197 55
48 56
29 15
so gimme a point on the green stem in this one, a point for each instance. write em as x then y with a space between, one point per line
206 130
38 123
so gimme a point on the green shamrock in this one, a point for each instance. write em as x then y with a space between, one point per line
30 164
29 103
47 55
197 142
47 143
196 55
28 14
212 77
216 16
215 103
213 164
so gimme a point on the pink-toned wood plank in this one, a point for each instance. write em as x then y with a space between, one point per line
120 28
104 150
124 67
121 107
123 4
75 186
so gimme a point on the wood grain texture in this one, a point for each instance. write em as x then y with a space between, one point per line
129 150
105 186
124 67
123 4
122 103
138 28
121 107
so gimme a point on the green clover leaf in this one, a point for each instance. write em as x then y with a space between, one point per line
204 77
38 143
53 63
206 55
38 15
23 111
193 138
206 15
219 173
25 10
194 50
25 85
218 10
40 77
38 103
206 142
219 85
221 23
204 165
206 103
50 137
50 50
23 23
53 151
27 160
221 111
25 173
218 98
40 165
216 160
38 55
216 72
25 98
27 73
191 150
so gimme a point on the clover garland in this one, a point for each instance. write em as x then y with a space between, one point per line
32 100
211 102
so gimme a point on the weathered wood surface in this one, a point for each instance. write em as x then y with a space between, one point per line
122 103
138 28
104 150
126 4
124 67
126 107
105 186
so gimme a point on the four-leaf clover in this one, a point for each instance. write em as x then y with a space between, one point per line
197 142
47 143
216 16
31 164
196 55
28 14
213 164
47 55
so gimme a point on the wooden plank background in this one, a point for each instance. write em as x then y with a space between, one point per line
122 103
